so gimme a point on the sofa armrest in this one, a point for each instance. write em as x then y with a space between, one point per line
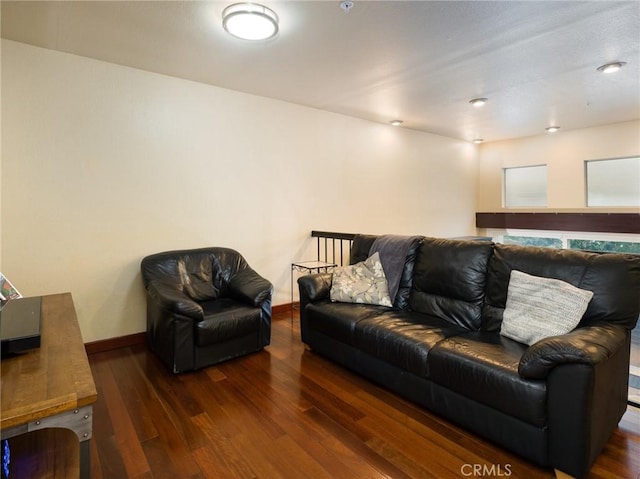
588 345
249 287
172 298
314 287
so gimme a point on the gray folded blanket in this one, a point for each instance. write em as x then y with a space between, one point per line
393 250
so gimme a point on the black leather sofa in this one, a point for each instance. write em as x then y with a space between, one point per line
204 306
555 402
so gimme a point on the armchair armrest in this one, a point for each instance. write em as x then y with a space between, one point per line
588 345
314 287
249 287
172 298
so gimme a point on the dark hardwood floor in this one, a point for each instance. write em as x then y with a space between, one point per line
288 413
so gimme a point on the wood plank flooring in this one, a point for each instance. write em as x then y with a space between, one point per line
289 413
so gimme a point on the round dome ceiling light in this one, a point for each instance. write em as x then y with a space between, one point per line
250 21
478 102
477 141
611 67
552 129
396 122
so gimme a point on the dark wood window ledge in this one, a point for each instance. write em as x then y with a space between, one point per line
592 222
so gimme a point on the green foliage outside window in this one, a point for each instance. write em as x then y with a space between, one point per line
582 244
608 246
533 241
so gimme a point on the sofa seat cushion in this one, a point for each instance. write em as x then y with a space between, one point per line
338 320
402 338
484 367
226 319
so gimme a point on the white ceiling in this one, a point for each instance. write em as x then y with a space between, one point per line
419 61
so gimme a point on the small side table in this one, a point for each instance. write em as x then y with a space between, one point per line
308 267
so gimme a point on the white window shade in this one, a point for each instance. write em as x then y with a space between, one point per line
525 186
613 182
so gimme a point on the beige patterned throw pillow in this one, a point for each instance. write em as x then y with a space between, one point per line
541 307
363 282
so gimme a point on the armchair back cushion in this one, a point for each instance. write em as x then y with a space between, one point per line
203 274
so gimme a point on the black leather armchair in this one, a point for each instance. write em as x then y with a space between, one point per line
204 306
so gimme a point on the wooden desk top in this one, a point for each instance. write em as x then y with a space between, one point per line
53 378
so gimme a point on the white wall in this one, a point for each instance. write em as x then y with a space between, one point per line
104 164
564 153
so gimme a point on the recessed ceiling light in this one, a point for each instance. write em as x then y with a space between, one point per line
611 67
250 21
477 141
478 102
552 129
396 122
347 5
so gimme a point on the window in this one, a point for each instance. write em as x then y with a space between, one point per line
525 186
533 241
603 245
613 182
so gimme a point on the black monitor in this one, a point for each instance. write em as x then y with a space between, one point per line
20 323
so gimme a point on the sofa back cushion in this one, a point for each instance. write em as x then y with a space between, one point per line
360 251
614 280
203 274
406 281
360 248
449 280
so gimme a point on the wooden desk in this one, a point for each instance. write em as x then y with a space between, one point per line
51 387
